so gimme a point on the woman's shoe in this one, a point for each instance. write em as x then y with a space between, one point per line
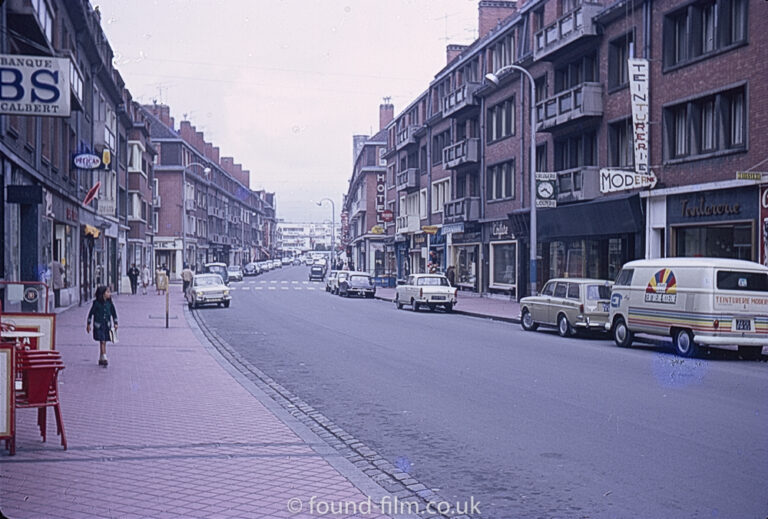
102 360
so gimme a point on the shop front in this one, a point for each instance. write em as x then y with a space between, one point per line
715 223
64 219
591 239
502 256
464 250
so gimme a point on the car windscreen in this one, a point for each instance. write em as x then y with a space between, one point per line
595 292
744 281
360 281
207 281
437 282
233 269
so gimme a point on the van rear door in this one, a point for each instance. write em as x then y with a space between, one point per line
744 295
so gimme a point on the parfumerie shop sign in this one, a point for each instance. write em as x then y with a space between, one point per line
34 85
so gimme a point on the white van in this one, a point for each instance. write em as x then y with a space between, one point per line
697 301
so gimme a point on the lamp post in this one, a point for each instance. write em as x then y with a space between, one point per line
493 78
206 170
333 227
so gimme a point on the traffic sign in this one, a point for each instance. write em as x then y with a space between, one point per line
387 215
612 180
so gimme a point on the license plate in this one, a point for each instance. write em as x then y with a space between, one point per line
743 325
438 298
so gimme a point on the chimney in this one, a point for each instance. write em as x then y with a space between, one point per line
187 132
491 13
215 154
452 51
386 113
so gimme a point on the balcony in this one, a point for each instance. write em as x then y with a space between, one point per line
584 100
34 20
460 98
408 179
567 29
405 137
462 210
189 204
463 152
358 206
211 210
407 223
578 184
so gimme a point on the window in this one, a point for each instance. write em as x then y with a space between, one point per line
709 124
573 291
624 278
423 203
502 52
441 193
561 289
500 181
619 51
439 142
621 152
549 289
504 264
702 29
744 281
576 151
541 157
577 72
501 120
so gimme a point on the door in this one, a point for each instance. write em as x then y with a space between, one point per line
541 303
557 302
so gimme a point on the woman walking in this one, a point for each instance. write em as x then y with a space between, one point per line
102 310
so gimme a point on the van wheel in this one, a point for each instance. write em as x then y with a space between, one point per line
564 328
684 344
750 352
622 336
449 307
527 322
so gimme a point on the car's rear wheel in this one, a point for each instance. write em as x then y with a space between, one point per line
414 306
684 343
449 307
564 328
622 336
432 307
527 322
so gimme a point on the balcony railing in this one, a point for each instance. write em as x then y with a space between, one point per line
405 137
567 29
462 210
408 179
578 184
407 223
584 100
463 152
358 206
460 98
33 19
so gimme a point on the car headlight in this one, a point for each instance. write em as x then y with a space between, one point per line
226 292
199 294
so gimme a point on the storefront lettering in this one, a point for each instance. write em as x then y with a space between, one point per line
705 208
381 199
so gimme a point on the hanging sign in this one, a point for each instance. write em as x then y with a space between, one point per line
546 189
638 91
34 85
92 193
86 161
621 180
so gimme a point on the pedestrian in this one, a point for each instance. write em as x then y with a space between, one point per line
145 279
451 275
133 275
186 278
161 280
102 311
57 277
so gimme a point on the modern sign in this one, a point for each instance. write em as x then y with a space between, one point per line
34 85
86 161
612 180
638 90
546 190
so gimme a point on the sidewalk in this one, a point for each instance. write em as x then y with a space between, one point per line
470 303
166 431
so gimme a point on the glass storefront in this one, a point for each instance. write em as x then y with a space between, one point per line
64 253
590 258
504 265
466 263
718 241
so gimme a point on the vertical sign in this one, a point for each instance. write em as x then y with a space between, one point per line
764 224
381 196
638 89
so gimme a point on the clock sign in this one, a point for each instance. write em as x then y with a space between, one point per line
546 189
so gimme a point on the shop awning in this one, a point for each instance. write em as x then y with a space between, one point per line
90 230
606 216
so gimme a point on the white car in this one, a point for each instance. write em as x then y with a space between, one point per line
431 290
208 289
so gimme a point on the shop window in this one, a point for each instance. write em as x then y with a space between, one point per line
503 265
466 265
717 241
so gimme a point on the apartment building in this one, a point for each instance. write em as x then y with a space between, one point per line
458 156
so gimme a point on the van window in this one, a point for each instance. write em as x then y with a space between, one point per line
747 281
549 289
625 277
573 291
596 292
561 289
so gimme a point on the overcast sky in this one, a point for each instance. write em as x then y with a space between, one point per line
282 85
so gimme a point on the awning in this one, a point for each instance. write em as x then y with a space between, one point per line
90 230
605 216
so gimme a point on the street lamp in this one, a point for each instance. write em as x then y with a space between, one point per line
333 227
493 78
206 170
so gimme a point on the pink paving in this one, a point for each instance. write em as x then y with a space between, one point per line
471 303
163 432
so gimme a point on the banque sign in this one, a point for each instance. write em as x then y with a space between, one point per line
34 85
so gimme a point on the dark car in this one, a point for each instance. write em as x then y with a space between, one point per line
218 268
357 284
316 272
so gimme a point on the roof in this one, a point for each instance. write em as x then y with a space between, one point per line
697 262
158 129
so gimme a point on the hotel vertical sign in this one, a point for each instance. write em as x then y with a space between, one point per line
638 88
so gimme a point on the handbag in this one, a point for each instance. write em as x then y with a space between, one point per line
113 335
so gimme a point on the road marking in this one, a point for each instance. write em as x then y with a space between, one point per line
305 282
284 288
273 281
258 288
272 288
262 281
284 281
246 288
310 288
298 288
295 282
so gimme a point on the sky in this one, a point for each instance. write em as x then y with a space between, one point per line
283 85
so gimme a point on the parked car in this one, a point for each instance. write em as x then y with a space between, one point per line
252 269
316 272
357 284
570 304
217 268
296 262
208 289
330 280
277 264
697 301
287 261
235 273
432 290
341 275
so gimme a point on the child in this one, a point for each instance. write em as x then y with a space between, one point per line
102 310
